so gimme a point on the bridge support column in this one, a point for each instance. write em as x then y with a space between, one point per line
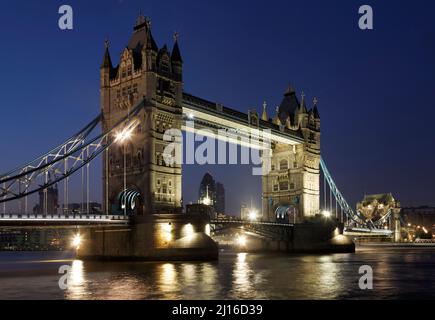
397 226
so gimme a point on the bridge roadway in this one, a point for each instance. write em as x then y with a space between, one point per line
265 229
270 230
18 220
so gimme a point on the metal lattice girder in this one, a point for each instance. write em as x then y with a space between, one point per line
356 216
347 209
63 161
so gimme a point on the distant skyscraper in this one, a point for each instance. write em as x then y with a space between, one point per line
220 198
212 193
52 204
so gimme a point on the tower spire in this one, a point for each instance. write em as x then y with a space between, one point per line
107 61
315 110
303 107
176 54
277 121
264 115
140 19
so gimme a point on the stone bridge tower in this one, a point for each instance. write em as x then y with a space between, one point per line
291 191
144 72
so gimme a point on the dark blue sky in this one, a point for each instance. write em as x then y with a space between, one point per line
376 88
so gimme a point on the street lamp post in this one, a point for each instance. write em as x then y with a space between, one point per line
122 137
125 180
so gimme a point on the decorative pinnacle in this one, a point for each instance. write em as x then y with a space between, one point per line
148 22
106 43
264 105
303 95
141 18
315 101
277 109
176 36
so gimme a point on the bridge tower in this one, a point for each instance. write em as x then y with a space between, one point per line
291 190
144 72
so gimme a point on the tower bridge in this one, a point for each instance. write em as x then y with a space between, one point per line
141 98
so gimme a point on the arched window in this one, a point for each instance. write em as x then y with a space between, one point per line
283 165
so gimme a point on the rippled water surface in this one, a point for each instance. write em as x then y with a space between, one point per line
398 273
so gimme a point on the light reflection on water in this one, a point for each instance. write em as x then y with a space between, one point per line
398 274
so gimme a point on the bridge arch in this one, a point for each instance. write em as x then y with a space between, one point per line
131 199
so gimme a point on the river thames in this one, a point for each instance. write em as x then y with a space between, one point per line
398 274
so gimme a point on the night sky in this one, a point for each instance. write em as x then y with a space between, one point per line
376 88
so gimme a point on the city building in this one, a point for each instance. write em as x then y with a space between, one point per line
423 216
220 198
83 207
48 201
212 193
374 207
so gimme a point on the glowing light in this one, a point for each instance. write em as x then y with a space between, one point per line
167 231
241 241
409 225
326 214
76 242
425 230
207 230
206 201
167 227
126 133
252 215
191 116
188 230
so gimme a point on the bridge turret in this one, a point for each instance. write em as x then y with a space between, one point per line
176 60
106 67
277 120
264 115
301 114
144 71
288 123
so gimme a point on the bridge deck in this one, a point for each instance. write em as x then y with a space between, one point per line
61 219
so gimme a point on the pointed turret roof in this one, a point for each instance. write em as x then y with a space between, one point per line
289 105
264 115
277 120
107 61
142 35
315 110
176 55
303 106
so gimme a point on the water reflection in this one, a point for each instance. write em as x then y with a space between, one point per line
168 281
242 277
399 274
329 277
76 280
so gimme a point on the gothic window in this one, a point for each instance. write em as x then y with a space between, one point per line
312 138
139 156
275 188
283 165
283 185
164 190
170 183
295 165
273 167
292 186
158 182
